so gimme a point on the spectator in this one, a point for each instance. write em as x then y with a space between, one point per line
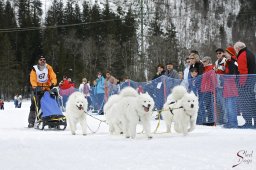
195 63
65 84
85 89
93 97
127 82
230 90
171 72
220 62
186 73
16 100
19 101
180 75
110 85
158 88
220 70
246 66
160 71
173 78
1 104
193 82
99 91
66 88
42 78
206 94
71 83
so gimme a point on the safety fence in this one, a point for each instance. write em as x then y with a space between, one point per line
223 99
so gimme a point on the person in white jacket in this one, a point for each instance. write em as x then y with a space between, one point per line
19 101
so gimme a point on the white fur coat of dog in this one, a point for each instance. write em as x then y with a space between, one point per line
76 107
181 108
129 109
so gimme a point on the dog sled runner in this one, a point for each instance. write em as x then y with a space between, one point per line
49 112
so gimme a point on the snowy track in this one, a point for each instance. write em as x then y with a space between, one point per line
207 148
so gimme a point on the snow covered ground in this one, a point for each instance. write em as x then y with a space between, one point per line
207 148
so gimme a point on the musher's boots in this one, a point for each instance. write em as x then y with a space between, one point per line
31 119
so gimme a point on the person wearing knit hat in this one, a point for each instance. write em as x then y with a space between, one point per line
41 57
230 90
231 51
42 78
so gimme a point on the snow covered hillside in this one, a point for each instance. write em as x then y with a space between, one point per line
207 148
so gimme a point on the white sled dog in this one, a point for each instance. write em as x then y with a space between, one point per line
171 103
182 110
112 115
76 107
131 109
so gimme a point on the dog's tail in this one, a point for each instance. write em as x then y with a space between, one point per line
128 92
111 100
178 92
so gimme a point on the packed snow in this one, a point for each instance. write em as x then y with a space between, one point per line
206 148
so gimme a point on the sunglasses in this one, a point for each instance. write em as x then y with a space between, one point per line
204 61
191 58
219 53
42 60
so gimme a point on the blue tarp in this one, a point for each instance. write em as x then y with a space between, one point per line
49 106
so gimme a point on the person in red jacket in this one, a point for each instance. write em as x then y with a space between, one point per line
246 67
65 84
207 89
230 90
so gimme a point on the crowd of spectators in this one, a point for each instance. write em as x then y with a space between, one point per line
223 92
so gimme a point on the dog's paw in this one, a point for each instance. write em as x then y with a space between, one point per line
150 137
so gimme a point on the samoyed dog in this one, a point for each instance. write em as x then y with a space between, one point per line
181 110
172 104
112 114
130 110
76 107
185 117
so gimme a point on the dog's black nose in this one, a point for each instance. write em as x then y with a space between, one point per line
149 105
192 105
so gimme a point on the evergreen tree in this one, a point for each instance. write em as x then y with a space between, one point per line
69 16
86 20
10 22
156 44
129 45
78 20
2 19
28 42
9 85
98 59
172 47
53 38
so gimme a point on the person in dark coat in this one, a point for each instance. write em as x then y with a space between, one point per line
246 67
196 63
